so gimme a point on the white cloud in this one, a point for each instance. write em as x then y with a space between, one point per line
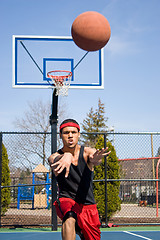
121 46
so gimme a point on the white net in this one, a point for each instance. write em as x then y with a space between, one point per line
61 81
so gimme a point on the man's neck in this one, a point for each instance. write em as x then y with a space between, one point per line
73 150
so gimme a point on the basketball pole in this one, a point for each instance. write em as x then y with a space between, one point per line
53 122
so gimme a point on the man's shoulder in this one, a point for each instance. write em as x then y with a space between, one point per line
89 150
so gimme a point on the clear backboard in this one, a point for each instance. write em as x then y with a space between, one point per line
35 56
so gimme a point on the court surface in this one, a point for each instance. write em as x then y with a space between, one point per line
108 235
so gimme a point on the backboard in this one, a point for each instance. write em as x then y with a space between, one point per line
34 56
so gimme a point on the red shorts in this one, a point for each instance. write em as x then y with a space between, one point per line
87 217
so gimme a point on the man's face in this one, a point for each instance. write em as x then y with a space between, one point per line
70 136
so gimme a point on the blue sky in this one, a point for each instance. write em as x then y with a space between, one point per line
132 59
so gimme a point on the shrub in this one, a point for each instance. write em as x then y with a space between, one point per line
113 200
5 192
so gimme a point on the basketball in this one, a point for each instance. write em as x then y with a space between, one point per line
91 31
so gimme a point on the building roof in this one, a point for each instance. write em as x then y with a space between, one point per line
40 169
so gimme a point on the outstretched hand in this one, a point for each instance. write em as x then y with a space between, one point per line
62 163
97 156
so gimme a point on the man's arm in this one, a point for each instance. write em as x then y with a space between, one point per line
60 161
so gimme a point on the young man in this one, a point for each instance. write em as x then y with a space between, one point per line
73 166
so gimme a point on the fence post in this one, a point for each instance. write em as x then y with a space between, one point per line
157 202
105 164
153 168
0 172
53 122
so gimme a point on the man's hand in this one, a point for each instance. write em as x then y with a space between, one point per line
96 157
64 162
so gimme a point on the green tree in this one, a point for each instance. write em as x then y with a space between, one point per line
113 200
94 122
5 192
25 176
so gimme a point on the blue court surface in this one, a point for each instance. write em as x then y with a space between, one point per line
108 235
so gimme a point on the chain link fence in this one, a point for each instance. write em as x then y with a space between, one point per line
30 189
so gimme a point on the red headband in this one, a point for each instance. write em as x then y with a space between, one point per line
70 124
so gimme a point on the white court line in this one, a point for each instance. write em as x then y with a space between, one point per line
137 235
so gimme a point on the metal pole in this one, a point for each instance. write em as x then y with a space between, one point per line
105 164
157 188
153 168
0 173
53 122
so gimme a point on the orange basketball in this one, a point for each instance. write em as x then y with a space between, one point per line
91 31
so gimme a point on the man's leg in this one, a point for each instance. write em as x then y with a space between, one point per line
68 229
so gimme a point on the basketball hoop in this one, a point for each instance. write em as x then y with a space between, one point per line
61 80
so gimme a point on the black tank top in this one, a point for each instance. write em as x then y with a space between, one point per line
78 185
